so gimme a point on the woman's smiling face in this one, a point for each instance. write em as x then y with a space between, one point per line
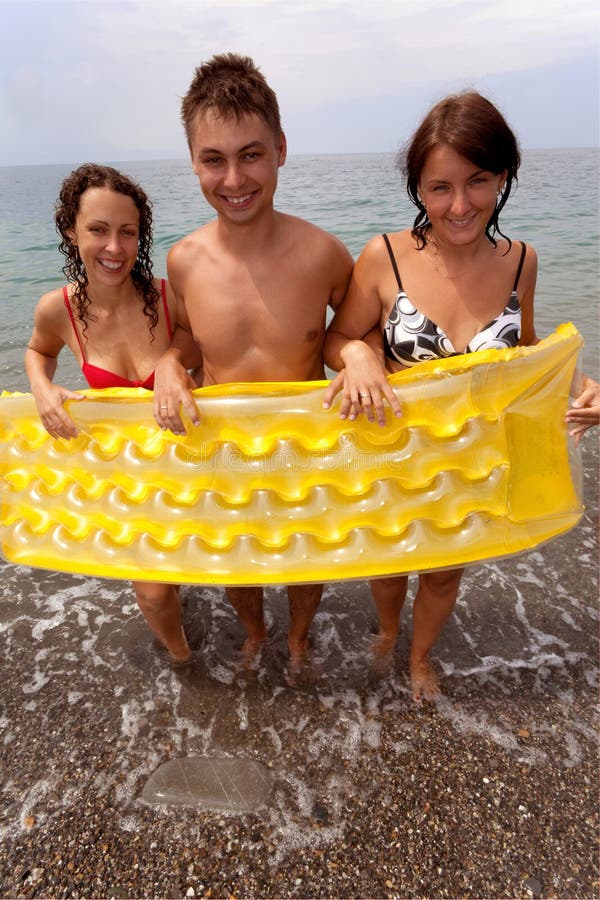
459 197
106 234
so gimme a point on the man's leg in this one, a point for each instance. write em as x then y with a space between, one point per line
389 595
303 601
248 604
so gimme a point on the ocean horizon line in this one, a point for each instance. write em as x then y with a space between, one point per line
311 155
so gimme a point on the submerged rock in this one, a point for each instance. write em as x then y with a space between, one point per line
237 785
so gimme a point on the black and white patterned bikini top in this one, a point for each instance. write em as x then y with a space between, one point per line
410 337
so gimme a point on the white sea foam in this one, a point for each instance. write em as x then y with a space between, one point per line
574 750
480 724
272 733
38 680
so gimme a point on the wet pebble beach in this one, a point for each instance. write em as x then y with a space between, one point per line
332 782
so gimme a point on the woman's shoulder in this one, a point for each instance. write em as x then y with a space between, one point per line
164 289
161 284
520 258
530 254
378 250
50 315
55 294
515 248
378 244
52 303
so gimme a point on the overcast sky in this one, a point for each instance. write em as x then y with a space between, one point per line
102 79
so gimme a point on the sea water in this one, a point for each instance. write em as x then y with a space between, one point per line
77 653
355 196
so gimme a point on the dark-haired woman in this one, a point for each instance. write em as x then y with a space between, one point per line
452 284
116 319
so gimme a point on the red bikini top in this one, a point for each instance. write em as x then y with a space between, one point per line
97 377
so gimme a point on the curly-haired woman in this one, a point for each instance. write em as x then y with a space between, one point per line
116 319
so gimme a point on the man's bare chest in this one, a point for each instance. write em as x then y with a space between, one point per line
252 312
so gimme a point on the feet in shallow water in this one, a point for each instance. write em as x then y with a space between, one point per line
384 642
302 671
249 654
175 662
298 648
382 647
179 651
254 644
180 664
301 667
423 680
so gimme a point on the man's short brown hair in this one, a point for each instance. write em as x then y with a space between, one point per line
231 85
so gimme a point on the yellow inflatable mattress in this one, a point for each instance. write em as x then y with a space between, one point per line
271 488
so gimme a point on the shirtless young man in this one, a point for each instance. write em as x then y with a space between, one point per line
254 284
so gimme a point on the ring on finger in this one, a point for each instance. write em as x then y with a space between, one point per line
364 396
164 407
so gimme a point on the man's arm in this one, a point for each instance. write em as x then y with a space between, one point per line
340 265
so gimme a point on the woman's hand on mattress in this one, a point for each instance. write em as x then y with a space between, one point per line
585 410
173 388
49 399
364 386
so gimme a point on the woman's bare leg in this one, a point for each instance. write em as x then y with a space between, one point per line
435 600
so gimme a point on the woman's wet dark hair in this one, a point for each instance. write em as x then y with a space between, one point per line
91 175
474 128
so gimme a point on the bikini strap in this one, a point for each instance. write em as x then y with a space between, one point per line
163 291
72 318
393 259
521 261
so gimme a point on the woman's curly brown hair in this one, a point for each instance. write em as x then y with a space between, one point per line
91 175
